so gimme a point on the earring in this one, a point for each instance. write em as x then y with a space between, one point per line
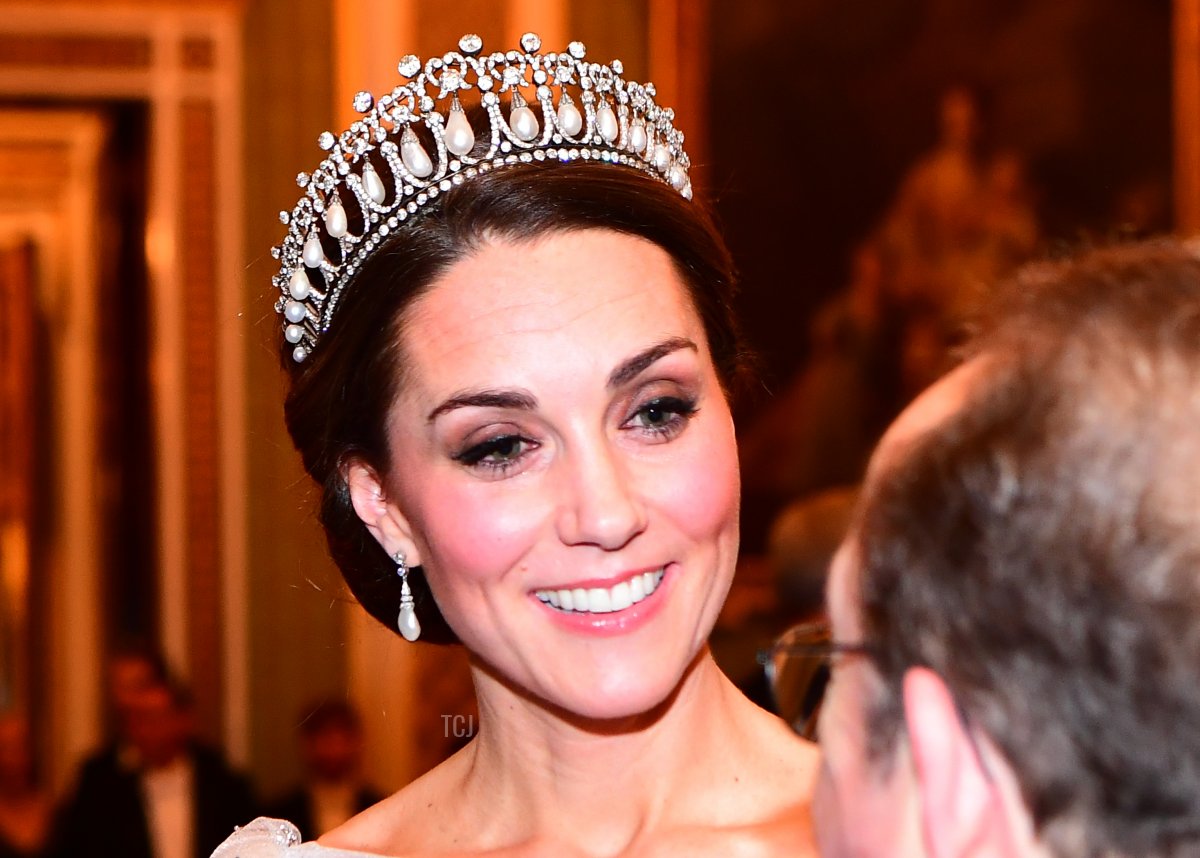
407 622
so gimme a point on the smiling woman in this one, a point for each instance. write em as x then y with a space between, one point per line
519 416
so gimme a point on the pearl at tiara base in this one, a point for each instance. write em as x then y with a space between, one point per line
417 142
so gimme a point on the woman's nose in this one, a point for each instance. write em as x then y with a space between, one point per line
601 505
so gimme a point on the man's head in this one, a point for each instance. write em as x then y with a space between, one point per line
331 741
132 670
160 724
1024 570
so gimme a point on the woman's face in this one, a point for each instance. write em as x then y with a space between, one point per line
563 463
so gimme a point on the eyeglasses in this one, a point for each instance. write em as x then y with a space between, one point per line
798 670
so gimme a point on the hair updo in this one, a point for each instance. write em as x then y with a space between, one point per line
339 398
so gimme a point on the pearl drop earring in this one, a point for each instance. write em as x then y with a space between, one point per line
406 622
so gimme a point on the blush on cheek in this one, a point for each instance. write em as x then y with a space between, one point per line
704 489
469 535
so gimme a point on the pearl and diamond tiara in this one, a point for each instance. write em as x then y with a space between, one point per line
383 170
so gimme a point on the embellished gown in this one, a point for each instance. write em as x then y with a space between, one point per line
276 838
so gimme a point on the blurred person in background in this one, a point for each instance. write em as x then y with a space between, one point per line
25 808
132 669
330 739
803 539
802 543
162 794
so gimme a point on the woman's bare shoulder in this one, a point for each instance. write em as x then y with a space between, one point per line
763 807
777 762
788 759
402 824
788 835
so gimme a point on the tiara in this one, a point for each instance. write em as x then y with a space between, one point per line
620 123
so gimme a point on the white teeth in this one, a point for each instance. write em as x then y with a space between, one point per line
601 600
621 598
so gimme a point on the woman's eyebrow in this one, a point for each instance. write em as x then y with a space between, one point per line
518 399
485 399
631 368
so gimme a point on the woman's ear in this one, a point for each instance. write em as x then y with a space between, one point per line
382 517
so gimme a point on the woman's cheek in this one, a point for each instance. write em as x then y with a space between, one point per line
475 535
703 490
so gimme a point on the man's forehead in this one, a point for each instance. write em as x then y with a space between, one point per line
841 592
936 405
933 407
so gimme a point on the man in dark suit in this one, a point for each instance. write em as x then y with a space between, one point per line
158 793
331 746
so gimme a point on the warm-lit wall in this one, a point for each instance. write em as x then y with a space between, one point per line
295 628
1187 115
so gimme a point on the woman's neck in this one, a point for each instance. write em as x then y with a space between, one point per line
604 785
707 773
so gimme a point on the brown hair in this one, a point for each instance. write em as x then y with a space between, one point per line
337 405
1040 550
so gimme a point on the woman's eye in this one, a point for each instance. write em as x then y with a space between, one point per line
497 452
666 415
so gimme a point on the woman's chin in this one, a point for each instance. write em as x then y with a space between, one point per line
615 696
617 713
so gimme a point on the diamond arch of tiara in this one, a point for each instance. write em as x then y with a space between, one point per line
589 111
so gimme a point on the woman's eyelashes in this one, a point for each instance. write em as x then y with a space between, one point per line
497 454
663 417
659 419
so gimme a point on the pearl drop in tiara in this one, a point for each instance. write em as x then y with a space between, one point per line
417 142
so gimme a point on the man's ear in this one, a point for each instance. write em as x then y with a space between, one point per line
961 810
382 517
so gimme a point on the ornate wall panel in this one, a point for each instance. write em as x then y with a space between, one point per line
49 161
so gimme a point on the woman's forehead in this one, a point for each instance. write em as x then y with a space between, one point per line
501 274
563 297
